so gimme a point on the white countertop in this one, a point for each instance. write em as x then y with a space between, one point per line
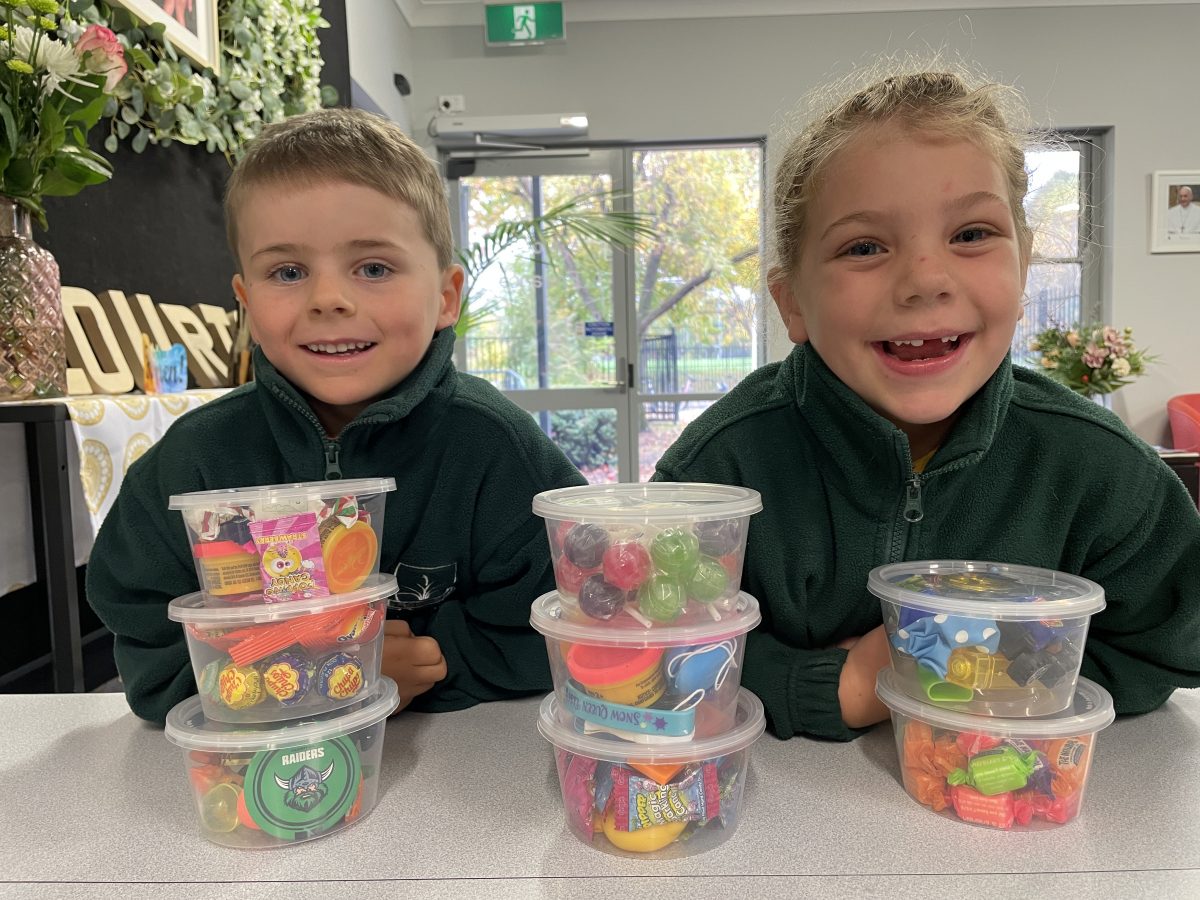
94 803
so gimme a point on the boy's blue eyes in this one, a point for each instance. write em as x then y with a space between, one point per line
292 274
287 274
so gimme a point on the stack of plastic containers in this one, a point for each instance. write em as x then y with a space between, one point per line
993 724
646 635
283 742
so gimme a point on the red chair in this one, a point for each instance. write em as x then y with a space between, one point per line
1183 412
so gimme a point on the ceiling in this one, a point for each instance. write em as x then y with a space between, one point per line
432 13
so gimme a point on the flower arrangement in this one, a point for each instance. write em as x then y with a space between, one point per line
270 69
1090 361
55 78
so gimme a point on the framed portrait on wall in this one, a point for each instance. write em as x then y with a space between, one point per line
1175 211
191 26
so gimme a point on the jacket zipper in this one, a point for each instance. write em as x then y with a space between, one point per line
333 468
333 449
911 512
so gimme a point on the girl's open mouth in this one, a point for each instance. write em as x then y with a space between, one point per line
918 349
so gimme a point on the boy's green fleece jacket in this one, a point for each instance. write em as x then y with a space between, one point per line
467 463
1030 474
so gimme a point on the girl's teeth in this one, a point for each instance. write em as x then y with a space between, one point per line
918 342
338 348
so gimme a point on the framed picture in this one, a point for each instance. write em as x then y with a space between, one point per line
1175 211
191 26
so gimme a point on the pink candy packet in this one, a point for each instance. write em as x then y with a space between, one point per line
289 550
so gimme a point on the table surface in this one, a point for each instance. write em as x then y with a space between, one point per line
96 805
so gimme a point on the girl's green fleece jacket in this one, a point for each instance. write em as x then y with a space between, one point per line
459 526
1030 474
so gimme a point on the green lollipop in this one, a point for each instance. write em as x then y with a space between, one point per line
675 551
661 598
709 581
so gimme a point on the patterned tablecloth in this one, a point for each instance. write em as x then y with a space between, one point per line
109 434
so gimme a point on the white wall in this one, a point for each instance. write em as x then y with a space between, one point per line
1120 66
380 40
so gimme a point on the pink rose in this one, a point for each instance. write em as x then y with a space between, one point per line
101 53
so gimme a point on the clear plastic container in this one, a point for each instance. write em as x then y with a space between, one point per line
986 638
653 551
269 662
272 787
670 684
286 541
653 802
1018 774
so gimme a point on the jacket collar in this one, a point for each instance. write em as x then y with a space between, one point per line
432 374
852 431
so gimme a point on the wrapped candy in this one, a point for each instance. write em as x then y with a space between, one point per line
928 790
676 552
585 544
996 771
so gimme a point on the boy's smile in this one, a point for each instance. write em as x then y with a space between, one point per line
342 290
910 276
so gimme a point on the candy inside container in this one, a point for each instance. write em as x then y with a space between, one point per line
658 553
272 786
256 661
653 802
1023 774
286 542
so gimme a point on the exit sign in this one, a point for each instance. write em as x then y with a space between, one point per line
520 24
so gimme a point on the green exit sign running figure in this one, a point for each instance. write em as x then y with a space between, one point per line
520 24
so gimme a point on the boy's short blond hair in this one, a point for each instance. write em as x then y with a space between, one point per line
348 145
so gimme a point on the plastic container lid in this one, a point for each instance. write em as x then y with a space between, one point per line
987 590
204 609
281 493
548 616
749 723
1090 710
188 727
660 501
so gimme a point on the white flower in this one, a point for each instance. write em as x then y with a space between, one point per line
59 61
1120 367
54 58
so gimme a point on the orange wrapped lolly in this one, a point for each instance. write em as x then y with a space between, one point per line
925 788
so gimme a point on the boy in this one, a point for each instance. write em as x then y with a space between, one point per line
341 232
899 430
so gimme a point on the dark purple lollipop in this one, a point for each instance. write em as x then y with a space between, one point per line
718 536
601 600
584 545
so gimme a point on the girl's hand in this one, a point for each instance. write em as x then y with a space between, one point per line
856 689
415 663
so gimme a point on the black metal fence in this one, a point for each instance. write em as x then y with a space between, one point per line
666 365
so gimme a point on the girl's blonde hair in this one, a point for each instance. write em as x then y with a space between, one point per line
938 104
349 145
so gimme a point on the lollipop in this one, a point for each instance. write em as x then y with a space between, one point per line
675 551
708 582
584 545
601 600
661 599
719 536
626 565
